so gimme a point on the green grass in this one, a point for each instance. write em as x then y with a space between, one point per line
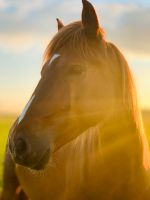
6 122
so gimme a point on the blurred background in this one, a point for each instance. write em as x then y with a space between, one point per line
27 26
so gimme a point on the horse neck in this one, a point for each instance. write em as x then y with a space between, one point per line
117 126
108 154
114 141
121 136
105 143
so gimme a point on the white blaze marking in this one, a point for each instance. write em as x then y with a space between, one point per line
25 109
53 58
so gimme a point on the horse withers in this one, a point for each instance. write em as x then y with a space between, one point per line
80 135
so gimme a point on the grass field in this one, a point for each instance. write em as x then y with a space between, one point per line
6 122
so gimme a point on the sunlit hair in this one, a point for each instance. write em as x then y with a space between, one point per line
130 102
73 37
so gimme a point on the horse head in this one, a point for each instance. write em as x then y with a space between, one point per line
81 85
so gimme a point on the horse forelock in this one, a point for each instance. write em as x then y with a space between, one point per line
71 37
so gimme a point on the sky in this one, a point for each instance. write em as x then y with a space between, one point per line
27 26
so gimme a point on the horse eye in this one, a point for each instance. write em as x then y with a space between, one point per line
76 69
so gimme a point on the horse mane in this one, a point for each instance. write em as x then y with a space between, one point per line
130 102
73 37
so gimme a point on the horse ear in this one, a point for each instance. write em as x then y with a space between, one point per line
89 19
60 24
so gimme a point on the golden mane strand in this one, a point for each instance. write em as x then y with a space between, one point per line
131 105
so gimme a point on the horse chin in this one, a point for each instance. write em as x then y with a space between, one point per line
40 165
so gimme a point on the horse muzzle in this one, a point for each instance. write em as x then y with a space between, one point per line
30 151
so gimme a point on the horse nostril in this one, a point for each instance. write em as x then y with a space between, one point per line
20 147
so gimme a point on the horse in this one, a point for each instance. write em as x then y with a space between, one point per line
80 135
